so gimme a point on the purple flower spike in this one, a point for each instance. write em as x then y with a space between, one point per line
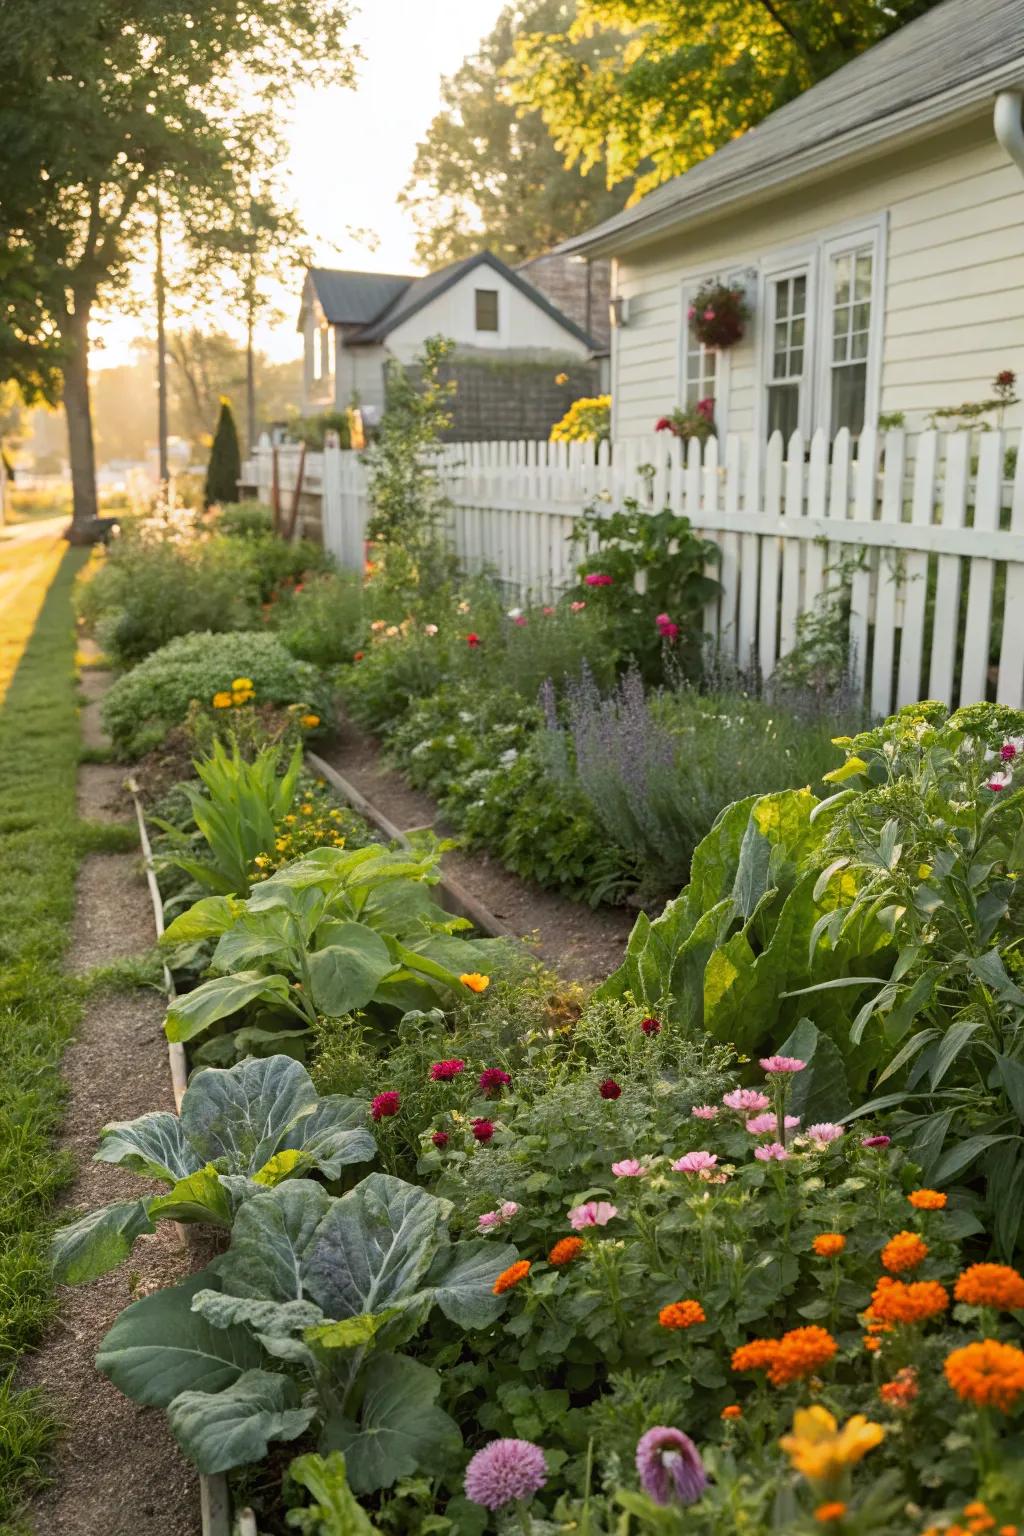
669 1466
504 1471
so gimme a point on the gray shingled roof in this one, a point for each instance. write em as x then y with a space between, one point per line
955 55
355 298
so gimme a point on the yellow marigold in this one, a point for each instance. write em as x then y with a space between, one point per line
511 1277
801 1352
565 1250
222 701
987 1373
897 1301
682 1314
474 981
827 1245
242 685
732 1411
827 1514
991 1285
309 721
927 1200
820 1450
758 1355
904 1251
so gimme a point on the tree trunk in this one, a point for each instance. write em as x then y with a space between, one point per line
78 412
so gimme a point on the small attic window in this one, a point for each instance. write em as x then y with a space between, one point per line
487 309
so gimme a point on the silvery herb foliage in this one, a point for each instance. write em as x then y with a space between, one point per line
300 1324
240 1131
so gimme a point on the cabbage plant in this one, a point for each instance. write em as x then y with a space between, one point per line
240 1130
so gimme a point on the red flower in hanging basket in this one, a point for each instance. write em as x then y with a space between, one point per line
718 315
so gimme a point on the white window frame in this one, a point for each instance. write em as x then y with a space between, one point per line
691 282
873 238
775 271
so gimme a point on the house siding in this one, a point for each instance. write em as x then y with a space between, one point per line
521 324
952 296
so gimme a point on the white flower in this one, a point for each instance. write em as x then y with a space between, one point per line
508 758
515 613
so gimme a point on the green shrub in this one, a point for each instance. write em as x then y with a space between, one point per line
322 620
144 704
276 564
245 520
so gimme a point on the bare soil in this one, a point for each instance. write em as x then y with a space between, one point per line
94 684
580 943
102 795
113 915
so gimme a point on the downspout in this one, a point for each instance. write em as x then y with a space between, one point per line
1008 122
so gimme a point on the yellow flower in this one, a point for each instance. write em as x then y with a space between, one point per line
281 844
222 701
290 821
820 1450
262 860
242 697
561 378
243 685
307 810
310 721
474 981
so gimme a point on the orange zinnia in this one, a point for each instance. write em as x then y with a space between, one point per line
902 1390
758 1355
511 1276
565 1250
801 1352
828 1244
826 1513
927 1200
872 1345
904 1251
988 1374
732 1411
991 1285
681 1314
897 1301
474 981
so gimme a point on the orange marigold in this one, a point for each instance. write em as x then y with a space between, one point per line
991 1285
825 1514
828 1244
872 1345
758 1355
511 1276
904 1251
987 1373
927 1200
902 1390
681 1314
565 1250
801 1352
899 1301
732 1411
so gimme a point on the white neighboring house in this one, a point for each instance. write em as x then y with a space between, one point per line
877 226
355 322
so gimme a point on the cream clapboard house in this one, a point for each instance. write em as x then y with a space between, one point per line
877 226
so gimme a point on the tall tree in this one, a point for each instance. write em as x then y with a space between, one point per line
487 173
101 102
676 79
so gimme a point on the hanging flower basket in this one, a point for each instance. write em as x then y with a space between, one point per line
718 314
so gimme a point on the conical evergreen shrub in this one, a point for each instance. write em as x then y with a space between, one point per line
225 464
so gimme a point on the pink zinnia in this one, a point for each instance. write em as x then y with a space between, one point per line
704 1111
488 1220
505 1472
444 1071
695 1162
384 1104
629 1168
824 1132
769 1122
493 1077
609 1089
669 1466
774 1152
876 1141
440 1139
782 1063
597 579
483 1130
595 1213
746 1100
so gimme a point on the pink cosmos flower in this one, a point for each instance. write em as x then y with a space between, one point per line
769 1122
782 1064
773 1152
504 1472
385 1104
595 1213
445 1071
823 1132
746 1100
876 1141
695 1162
669 1466
597 579
704 1111
629 1168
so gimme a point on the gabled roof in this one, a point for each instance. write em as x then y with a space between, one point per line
355 298
425 289
948 61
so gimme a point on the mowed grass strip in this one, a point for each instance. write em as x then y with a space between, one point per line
40 844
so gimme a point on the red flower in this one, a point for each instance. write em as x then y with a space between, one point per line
1006 378
358 655
493 1077
651 1026
444 1071
706 408
472 641
609 1089
483 1130
663 424
440 1139
384 1104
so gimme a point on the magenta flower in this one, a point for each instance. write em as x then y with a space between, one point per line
773 1152
762 1124
505 1471
651 1026
444 1071
384 1104
629 1168
746 1100
488 1220
669 1466
823 1132
691 313
1008 751
493 1077
669 632
662 618
704 1111
609 1089
595 1213
521 620
876 1141
440 1139
597 579
1000 781
695 1162
482 1129
782 1064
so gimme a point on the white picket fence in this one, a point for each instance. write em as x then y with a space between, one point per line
928 515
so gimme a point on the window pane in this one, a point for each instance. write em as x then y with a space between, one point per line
859 345
863 280
781 300
861 317
849 393
486 309
783 409
799 295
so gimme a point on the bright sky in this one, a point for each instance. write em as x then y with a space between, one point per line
352 151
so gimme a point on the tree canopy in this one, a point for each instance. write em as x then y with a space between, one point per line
647 88
488 173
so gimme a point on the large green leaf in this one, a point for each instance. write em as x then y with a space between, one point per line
271 1237
400 1426
374 1246
159 1347
220 999
335 1511
820 1091
462 1278
345 975
334 1136
154 1146
205 919
221 1430
243 1113
98 1242
255 936
199 1198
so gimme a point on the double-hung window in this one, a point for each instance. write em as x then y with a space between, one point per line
700 363
788 350
849 298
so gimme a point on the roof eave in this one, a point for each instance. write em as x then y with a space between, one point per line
760 182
